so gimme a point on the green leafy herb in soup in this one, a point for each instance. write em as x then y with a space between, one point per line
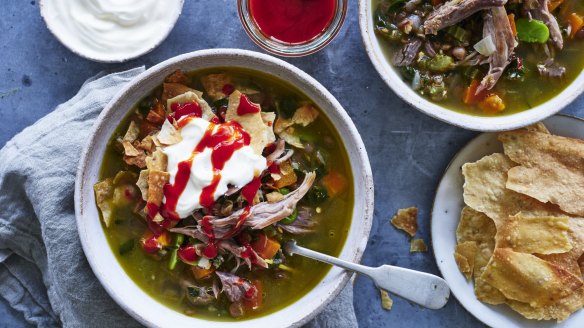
484 57
206 178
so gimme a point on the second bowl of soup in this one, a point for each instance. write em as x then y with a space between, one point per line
198 172
481 64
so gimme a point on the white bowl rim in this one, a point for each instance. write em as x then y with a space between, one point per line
76 51
477 123
367 198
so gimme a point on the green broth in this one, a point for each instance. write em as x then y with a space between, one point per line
154 277
517 95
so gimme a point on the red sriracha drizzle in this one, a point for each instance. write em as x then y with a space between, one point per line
186 109
246 106
292 21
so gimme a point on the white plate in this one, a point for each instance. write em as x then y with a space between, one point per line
446 214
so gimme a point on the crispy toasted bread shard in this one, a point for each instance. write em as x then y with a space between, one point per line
169 134
132 133
464 255
418 245
285 177
171 90
303 116
485 191
104 191
526 278
406 219
559 310
157 161
260 133
192 97
156 182
386 301
540 234
142 183
569 260
551 168
214 85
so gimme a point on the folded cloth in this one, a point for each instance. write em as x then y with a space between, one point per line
43 271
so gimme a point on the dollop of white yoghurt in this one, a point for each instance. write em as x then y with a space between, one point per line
111 30
238 171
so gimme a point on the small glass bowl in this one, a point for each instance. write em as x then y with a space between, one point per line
291 49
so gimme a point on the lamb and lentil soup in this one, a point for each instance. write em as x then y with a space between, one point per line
205 179
484 57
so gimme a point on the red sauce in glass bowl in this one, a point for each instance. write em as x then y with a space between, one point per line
292 21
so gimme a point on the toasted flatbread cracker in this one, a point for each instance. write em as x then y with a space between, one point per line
406 219
386 301
168 135
214 83
484 190
261 134
147 144
537 127
477 227
487 293
132 133
552 168
104 191
129 149
303 116
193 96
156 182
559 310
286 176
142 183
290 138
171 90
418 245
158 161
569 260
464 255
540 234
529 279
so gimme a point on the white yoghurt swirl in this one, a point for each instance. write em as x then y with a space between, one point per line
111 29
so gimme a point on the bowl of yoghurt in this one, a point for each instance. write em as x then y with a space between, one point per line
110 31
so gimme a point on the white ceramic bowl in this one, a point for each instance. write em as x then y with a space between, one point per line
506 122
58 27
105 266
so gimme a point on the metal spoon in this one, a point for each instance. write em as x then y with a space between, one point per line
421 288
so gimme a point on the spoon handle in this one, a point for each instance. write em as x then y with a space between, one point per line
421 288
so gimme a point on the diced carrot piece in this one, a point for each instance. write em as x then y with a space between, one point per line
265 247
576 22
470 95
201 273
256 301
152 244
511 18
553 4
492 104
335 183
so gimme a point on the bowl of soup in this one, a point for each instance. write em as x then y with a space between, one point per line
199 170
481 64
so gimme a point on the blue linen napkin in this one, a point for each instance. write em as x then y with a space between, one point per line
43 271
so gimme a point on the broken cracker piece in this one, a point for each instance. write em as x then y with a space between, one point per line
464 255
406 219
386 301
529 279
418 245
551 168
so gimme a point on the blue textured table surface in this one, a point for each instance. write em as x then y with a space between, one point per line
408 150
